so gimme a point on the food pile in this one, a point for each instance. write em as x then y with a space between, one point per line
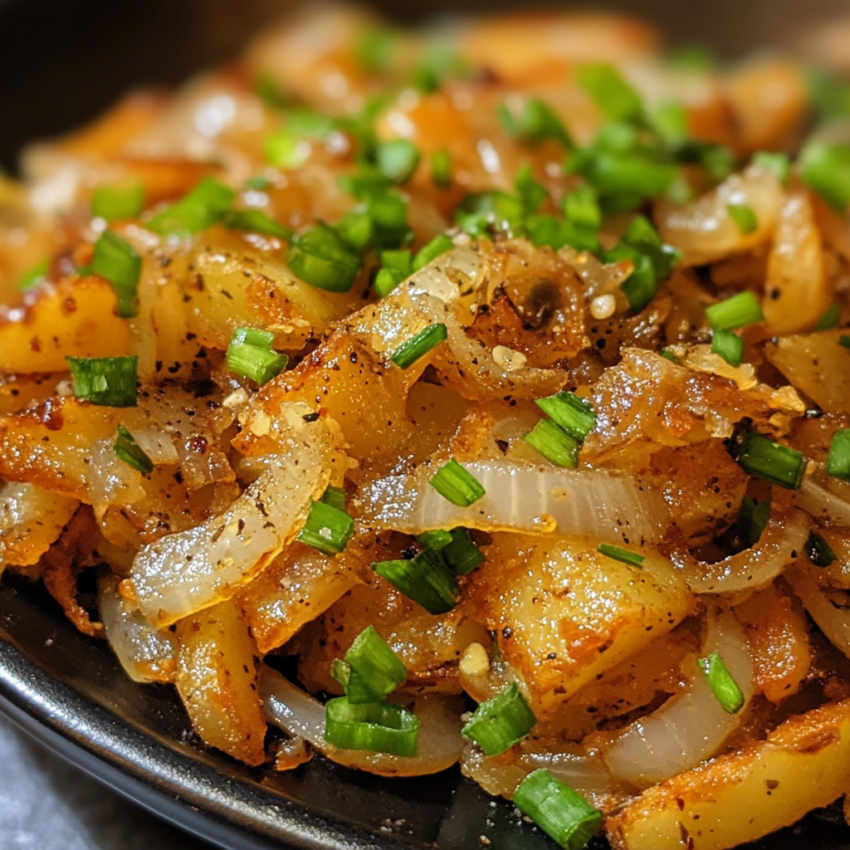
496 376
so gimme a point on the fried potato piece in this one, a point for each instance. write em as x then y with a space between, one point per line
218 682
733 799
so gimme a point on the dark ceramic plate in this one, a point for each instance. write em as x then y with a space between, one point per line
70 59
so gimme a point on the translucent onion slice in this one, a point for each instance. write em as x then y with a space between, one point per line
619 509
185 572
299 714
690 726
780 543
828 608
822 505
146 653
157 445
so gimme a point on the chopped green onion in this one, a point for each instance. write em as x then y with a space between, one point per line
355 228
284 149
250 355
327 529
736 312
115 203
844 340
575 415
753 518
530 193
440 63
498 209
427 580
399 261
668 355
838 461
581 208
194 212
554 443
105 381
121 265
255 221
744 217
378 727
397 160
694 59
826 169
729 346
34 276
127 449
388 213
457 484
461 553
533 122
633 559
441 168
437 539
643 237
335 497
548 230
720 680
320 258
778 163
613 95
371 669
438 246
375 47
258 183
414 349
772 462
386 280
641 284
500 722
830 319
562 813
670 122
819 551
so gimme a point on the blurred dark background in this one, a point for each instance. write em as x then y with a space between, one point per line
63 61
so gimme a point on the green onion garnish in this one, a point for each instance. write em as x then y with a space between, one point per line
844 340
371 670
355 228
438 246
386 280
562 813
533 123
530 193
819 551
375 47
327 529
548 230
838 461
34 276
379 727
121 265
461 553
633 559
753 518
414 349
500 722
826 168
441 168
250 355
335 497
736 312
830 319
642 284
729 346
398 261
778 163
643 237
285 149
397 160
436 540
554 443
575 415
194 212
581 208
773 462
669 120
744 217
127 449
255 221
613 95
320 258
105 381
115 203
457 484
427 580
497 209
721 683
258 183
668 355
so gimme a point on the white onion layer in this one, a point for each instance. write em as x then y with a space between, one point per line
523 498
822 505
832 618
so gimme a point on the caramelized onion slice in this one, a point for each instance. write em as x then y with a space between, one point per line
827 607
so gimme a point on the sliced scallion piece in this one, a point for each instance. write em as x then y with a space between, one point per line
461 553
327 529
441 168
575 415
554 443
436 540
819 551
34 276
414 349
720 681
285 149
355 229
378 727
778 163
320 258
532 122
736 312
729 346
772 462
397 160
844 340
581 208
562 813
753 518
642 284
105 381
335 497
830 319
198 210
633 559
500 722
825 168
426 579
613 95
127 449
371 669
838 461
668 355
438 246
116 202
457 484
255 221
119 262
744 217
250 355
